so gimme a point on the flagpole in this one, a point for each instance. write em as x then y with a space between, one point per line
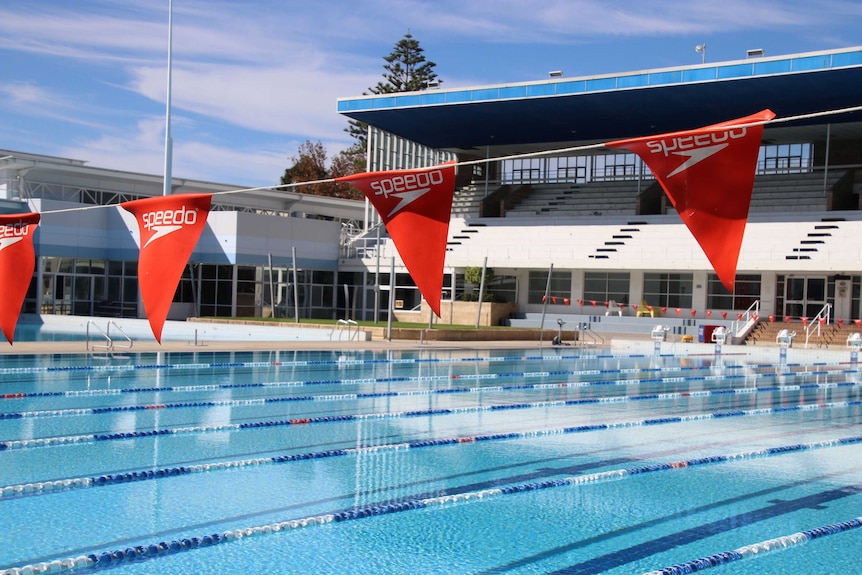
545 305
166 191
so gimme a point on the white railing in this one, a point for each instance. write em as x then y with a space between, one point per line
746 322
822 318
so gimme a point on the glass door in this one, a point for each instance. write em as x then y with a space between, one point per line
804 296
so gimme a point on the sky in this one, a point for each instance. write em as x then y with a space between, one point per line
252 80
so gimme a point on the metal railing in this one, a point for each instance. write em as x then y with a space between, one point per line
110 344
822 318
746 322
588 336
340 325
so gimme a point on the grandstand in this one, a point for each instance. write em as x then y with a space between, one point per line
600 220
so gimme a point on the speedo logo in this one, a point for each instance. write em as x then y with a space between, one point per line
165 222
697 147
407 188
682 143
17 230
11 234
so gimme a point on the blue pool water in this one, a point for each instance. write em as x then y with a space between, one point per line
561 461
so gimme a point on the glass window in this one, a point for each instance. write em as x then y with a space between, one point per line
561 285
606 286
784 159
622 166
746 291
504 289
668 290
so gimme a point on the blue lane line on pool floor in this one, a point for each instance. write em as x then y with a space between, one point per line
775 509
345 363
48 486
758 549
337 397
87 438
822 370
108 559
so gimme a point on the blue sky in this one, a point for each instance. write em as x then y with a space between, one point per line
254 79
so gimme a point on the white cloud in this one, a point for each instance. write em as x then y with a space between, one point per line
278 100
253 80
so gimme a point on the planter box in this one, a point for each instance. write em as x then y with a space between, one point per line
461 313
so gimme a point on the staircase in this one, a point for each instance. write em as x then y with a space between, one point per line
831 336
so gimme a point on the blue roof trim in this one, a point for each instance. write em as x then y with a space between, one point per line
794 64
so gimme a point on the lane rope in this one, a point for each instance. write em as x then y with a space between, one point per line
107 559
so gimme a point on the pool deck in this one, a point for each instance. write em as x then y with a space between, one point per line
67 347
616 342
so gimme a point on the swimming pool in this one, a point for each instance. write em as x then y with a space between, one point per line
556 460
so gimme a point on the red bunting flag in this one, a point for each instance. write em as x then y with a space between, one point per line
17 262
169 227
415 206
708 174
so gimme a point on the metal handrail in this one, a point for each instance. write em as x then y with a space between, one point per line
108 345
585 331
122 333
748 319
352 329
814 325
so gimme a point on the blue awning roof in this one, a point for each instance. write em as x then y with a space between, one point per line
597 108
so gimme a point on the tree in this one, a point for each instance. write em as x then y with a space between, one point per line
309 165
406 70
473 275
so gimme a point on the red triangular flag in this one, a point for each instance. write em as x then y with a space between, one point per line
170 227
415 206
17 262
708 174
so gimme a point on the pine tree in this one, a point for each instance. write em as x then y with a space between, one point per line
406 70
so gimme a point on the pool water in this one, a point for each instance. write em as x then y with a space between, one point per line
483 462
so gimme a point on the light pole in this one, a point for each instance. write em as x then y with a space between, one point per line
701 49
166 190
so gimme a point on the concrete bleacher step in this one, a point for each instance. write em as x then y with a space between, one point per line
830 336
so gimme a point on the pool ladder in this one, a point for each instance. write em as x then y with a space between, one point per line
352 329
110 344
